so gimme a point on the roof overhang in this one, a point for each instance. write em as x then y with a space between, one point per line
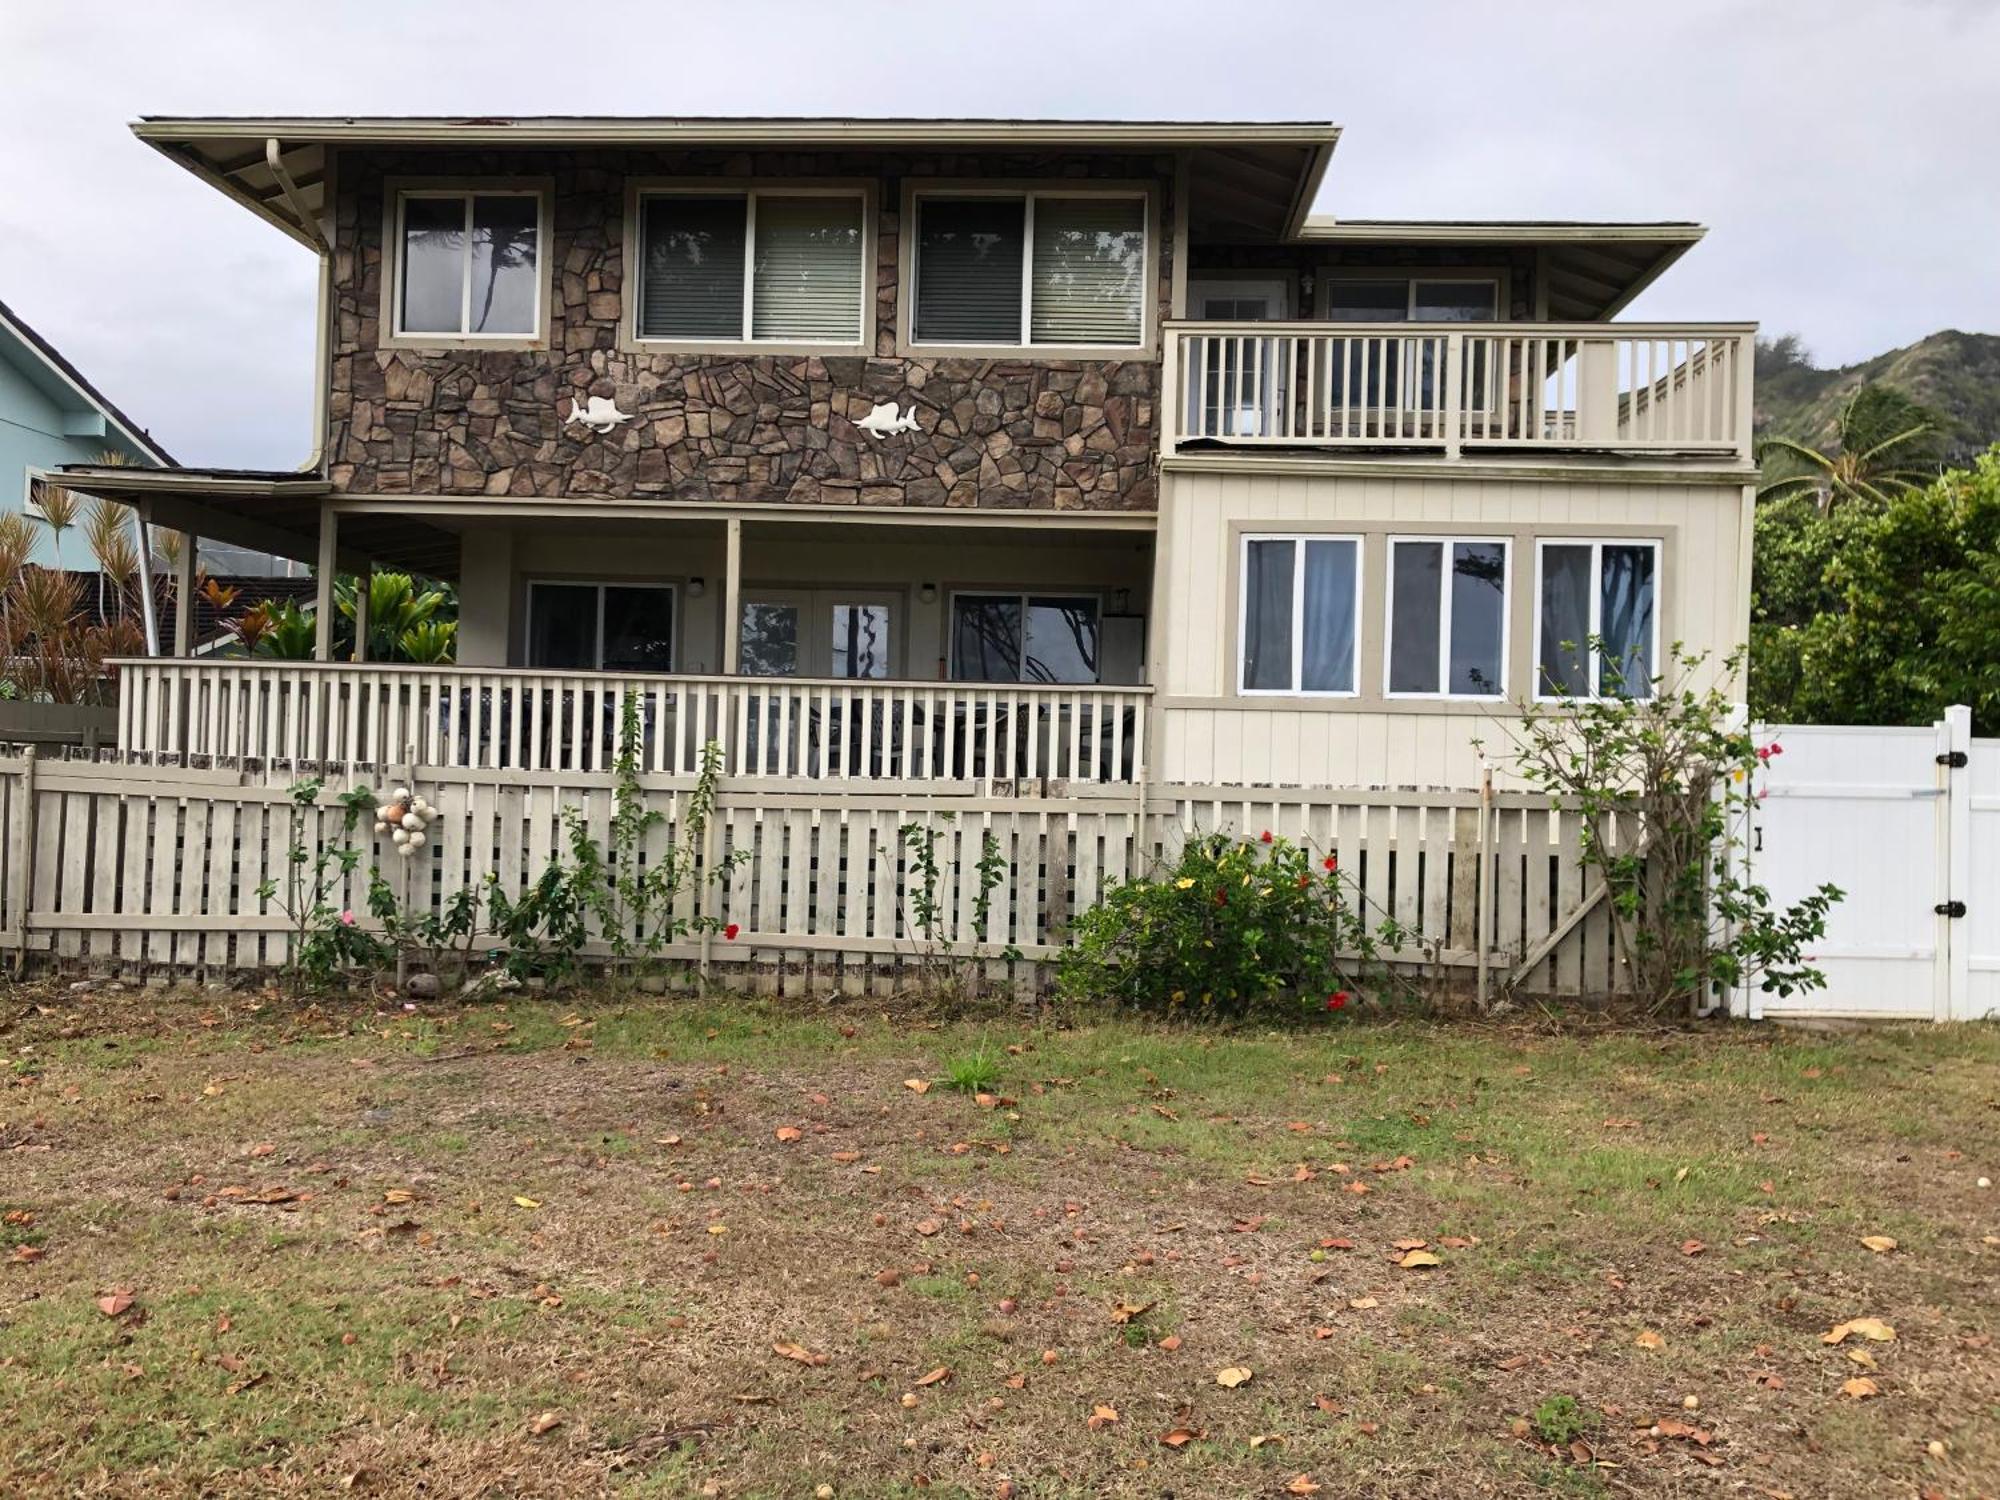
1283 161
275 513
1593 270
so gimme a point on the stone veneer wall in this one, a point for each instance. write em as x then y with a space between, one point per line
1006 431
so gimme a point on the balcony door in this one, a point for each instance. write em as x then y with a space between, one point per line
817 633
1400 374
1242 391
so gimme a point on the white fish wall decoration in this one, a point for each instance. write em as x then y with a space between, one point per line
884 422
599 414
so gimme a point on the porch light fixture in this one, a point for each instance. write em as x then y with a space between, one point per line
697 587
927 593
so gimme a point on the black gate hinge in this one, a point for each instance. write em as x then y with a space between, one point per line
1950 908
1956 759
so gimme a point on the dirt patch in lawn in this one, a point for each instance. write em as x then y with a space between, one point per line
600 1245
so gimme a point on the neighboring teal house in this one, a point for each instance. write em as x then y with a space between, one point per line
49 416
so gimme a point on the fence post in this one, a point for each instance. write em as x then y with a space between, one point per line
23 863
1954 1000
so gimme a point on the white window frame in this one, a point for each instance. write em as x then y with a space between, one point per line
1329 276
1021 597
1592 656
1243 689
1149 298
536 334
1448 542
631 324
673 593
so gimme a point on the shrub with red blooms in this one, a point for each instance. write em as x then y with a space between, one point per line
1230 926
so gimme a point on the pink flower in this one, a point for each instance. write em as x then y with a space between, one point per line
1337 1000
1264 837
347 919
730 931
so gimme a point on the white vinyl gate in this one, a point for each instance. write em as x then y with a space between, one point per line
1907 823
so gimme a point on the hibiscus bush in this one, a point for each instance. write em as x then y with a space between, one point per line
1231 925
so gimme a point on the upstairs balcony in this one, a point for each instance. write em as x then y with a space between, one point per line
1455 390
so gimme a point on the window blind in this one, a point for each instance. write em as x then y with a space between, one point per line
692 280
969 270
1089 271
808 281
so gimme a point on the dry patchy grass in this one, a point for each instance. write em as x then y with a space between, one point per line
549 1249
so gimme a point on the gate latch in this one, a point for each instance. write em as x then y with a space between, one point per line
1950 908
1956 759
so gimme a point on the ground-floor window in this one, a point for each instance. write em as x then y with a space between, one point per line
1447 617
1597 619
1301 606
1036 638
816 633
612 627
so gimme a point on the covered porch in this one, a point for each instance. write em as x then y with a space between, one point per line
963 649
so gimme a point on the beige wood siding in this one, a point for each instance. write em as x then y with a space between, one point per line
1208 735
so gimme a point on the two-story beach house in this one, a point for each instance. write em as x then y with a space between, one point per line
1074 463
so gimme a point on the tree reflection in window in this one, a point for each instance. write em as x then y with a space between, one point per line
1036 638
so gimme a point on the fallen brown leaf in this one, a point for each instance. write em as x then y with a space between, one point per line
1233 1375
798 1352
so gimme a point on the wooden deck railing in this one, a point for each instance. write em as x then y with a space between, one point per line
494 719
1551 387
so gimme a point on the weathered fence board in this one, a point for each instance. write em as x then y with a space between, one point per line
112 864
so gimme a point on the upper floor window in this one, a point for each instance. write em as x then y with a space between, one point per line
1597 622
1405 299
468 264
1031 269
779 267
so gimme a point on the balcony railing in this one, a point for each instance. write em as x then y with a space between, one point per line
1544 387
768 727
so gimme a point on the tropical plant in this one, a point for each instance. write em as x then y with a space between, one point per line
107 529
58 506
328 942
1230 926
1884 444
1882 616
397 605
278 628
946 967
54 652
1663 783
429 642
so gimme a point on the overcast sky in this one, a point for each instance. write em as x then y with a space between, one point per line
1841 151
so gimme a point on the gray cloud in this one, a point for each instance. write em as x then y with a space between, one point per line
1840 150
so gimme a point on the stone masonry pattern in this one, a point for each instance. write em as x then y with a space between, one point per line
1008 431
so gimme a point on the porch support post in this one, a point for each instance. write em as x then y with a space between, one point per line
148 605
329 536
732 599
364 586
184 571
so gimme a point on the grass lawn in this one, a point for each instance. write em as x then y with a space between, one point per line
656 1249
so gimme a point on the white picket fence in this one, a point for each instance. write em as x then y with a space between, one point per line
141 867
1907 823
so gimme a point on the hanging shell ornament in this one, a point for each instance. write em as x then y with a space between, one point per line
405 817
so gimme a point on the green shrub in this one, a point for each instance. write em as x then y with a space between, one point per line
1231 925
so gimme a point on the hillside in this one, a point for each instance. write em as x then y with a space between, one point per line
1956 374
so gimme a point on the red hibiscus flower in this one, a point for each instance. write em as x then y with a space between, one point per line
730 931
1331 863
1337 1000
1264 837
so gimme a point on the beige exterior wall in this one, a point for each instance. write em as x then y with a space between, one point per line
500 561
1207 734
